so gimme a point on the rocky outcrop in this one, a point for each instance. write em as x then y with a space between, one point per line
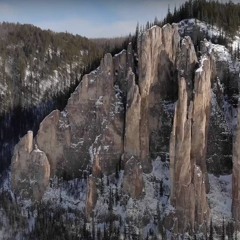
133 117
114 121
91 196
36 77
114 115
157 50
90 130
30 169
236 173
133 181
188 145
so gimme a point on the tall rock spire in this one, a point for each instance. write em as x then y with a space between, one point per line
188 143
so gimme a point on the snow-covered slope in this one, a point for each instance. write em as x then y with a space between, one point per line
204 30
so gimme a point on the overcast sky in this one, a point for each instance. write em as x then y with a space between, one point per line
90 18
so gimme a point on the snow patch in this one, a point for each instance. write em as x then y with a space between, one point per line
220 197
99 101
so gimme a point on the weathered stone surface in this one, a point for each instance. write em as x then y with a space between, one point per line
157 50
201 113
30 169
91 196
115 114
133 178
236 173
132 122
49 141
188 149
187 61
91 127
181 166
89 134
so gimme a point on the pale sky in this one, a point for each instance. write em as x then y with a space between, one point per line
90 18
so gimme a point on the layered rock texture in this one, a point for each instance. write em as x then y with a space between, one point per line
236 173
30 168
115 123
157 51
189 142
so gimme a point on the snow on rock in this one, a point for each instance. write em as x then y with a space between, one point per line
187 25
230 116
220 197
236 42
99 101
222 54
190 26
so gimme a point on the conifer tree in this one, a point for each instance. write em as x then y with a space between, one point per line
223 230
211 231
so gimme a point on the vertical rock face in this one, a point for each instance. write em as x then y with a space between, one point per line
188 146
201 114
91 196
30 169
133 181
50 139
132 122
236 173
90 130
157 52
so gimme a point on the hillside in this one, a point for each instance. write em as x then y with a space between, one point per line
33 61
226 16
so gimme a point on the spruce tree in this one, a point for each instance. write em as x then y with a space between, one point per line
211 231
223 230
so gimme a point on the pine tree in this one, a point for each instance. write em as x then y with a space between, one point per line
105 232
99 234
230 230
211 231
223 230
93 228
117 171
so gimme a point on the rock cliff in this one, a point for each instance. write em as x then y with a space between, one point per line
114 124
38 71
188 142
236 174
157 51
30 169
